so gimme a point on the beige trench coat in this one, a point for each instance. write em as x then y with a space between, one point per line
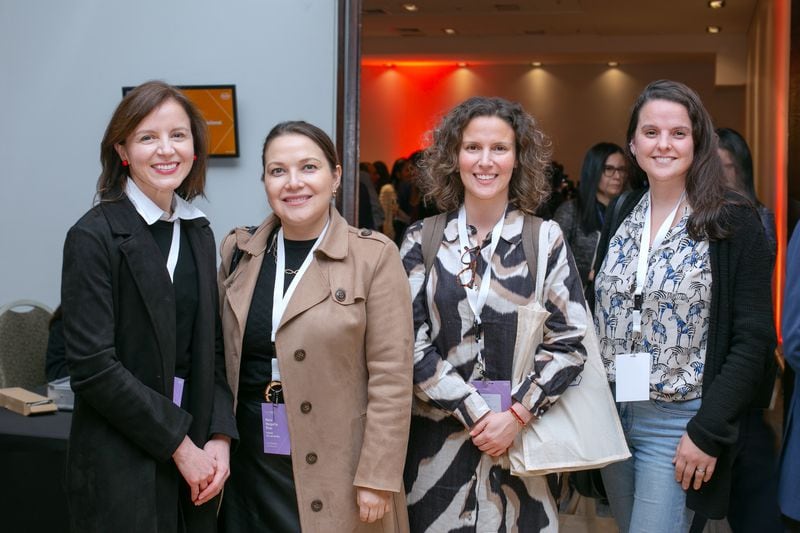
345 348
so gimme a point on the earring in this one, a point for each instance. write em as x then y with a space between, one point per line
124 162
194 157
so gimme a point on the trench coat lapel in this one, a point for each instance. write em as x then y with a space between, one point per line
151 278
314 287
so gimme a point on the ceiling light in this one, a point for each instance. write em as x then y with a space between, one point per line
410 7
461 64
389 65
613 64
449 31
713 29
716 4
536 64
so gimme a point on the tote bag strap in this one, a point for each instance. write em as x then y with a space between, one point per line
534 245
432 234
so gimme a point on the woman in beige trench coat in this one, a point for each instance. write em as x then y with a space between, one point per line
344 347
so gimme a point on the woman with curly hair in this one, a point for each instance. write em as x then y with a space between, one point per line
486 170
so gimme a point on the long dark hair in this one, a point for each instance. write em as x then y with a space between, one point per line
706 190
591 173
732 142
130 112
439 174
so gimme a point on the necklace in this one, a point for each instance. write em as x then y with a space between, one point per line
274 249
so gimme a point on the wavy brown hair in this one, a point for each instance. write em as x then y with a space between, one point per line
706 189
134 107
439 177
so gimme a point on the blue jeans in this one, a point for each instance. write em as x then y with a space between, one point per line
642 491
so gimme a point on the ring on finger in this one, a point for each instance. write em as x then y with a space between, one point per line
700 471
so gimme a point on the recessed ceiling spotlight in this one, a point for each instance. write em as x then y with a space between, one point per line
716 4
613 64
449 31
410 7
461 64
389 65
713 29
536 64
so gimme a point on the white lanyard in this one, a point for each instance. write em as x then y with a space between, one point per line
174 248
279 299
477 298
644 254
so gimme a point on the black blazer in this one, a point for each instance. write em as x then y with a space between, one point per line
119 330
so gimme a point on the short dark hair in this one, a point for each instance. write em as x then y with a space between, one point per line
300 127
440 180
706 190
134 107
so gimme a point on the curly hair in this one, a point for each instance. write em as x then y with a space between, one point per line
706 189
135 107
440 179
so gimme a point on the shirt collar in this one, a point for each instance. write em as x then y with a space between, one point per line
151 213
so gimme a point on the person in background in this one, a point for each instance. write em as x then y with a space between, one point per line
328 305
153 420
789 488
561 190
369 207
602 179
387 198
683 284
754 490
737 166
486 169
401 176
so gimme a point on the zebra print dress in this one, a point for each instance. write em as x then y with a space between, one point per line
452 486
675 309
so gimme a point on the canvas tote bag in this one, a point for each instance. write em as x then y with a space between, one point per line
582 429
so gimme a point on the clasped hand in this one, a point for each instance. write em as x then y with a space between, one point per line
494 433
206 469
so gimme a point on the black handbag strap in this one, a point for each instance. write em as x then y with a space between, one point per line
238 253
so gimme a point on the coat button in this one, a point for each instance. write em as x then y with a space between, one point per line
305 407
316 506
311 458
366 232
299 355
340 294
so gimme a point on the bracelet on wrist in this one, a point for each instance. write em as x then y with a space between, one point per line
516 416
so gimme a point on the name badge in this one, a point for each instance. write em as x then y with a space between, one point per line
496 393
633 377
276 428
177 391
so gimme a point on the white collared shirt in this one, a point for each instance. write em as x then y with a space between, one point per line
151 213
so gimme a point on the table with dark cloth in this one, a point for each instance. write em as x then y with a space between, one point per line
32 455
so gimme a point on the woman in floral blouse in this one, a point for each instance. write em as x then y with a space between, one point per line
485 169
682 285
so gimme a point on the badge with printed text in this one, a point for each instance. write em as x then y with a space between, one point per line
496 393
276 428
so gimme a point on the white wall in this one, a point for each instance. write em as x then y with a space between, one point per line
63 65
